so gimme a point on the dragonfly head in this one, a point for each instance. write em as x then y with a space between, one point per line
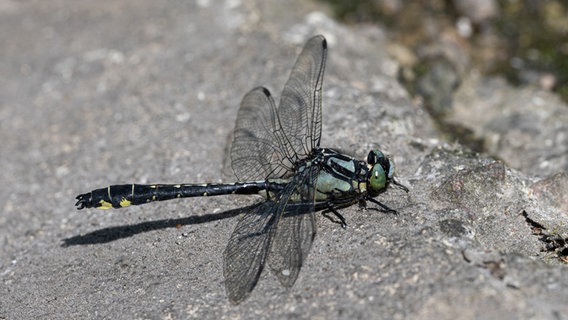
381 173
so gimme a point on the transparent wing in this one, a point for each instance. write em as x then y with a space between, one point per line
256 151
301 101
296 230
292 242
259 230
247 250
267 142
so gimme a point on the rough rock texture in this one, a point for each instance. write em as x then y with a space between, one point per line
528 128
106 92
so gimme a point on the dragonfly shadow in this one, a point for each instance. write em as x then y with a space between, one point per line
119 232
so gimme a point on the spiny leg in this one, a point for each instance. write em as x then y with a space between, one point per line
331 209
384 207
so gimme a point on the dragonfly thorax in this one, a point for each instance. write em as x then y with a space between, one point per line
341 178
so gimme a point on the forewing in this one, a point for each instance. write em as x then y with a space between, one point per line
300 105
256 150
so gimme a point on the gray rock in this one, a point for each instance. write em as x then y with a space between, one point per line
98 93
527 128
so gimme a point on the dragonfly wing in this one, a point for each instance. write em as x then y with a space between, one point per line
296 230
245 255
259 230
257 150
301 101
292 241
267 142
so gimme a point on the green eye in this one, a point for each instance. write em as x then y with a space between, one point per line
378 178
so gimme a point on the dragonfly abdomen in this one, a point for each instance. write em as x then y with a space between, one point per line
118 196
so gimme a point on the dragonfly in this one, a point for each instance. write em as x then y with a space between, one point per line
276 153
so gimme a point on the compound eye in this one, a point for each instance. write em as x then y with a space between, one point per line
378 178
391 169
374 157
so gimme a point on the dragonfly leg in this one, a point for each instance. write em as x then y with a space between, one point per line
331 209
384 207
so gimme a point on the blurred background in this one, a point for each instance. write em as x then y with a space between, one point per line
439 42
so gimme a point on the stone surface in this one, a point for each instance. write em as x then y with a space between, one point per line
106 92
527 127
